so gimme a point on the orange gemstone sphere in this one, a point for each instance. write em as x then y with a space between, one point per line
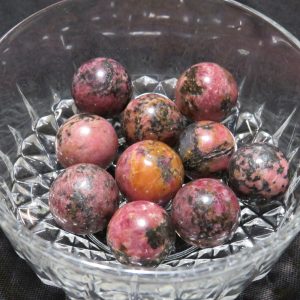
149 170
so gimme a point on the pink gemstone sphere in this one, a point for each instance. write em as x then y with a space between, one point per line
205 212
205 148
152 117
101 86
140 233
206 91
86 138
259 170
83 198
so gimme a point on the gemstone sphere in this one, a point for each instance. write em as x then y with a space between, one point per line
101 86
86 138
205 212
149 170
140 233
259 170
206 91
152 117
205 148
83 198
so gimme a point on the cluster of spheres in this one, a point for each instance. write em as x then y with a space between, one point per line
150 173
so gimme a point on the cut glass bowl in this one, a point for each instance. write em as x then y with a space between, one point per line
156 41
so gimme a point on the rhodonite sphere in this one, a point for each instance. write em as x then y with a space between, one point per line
205 212
259 170
152 117
206 91
83 198
140 233
205 148
101 86
86 138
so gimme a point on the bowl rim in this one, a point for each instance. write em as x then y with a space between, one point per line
209 268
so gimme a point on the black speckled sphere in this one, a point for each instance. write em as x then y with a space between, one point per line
259 170
101 86
83 198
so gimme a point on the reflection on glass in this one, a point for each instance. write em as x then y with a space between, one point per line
107 33
96 18
145 33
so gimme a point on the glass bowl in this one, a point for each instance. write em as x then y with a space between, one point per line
156 41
